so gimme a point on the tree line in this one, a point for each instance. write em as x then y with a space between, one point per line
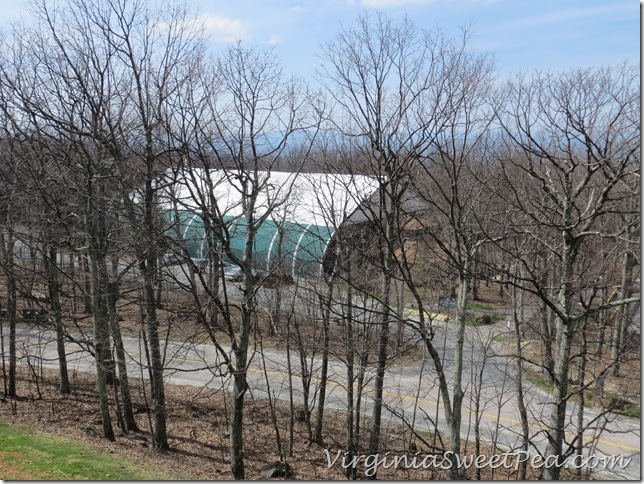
530 183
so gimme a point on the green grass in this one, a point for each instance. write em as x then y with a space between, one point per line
631 410
621 407
626 408
503 338
539 381
47 457
472 319
479 306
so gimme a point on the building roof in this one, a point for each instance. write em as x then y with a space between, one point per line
304 211
322 199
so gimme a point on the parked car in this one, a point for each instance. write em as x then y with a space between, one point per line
233 273
199 264
175 258
268 279
171 258
222 265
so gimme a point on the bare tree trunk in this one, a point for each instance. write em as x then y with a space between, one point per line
123 381
581 378
599 351
475 281
3 355
51 268
7 244
101 336
240 346
621 322
11 316
240 386
564 332
325 301
351 409
87 284
454 424
546 335
523 413
289 369
560 398
383 342
277 307
478 414
388 197
305 377
160 437
271 404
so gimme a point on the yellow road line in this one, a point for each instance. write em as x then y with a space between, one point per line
424 400
431 316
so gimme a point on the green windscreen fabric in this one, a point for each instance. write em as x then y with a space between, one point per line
187 227
297 248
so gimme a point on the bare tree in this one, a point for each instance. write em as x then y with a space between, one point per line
402 95
576 136
45 107
247 120
360 74
8 203
100 78
154 48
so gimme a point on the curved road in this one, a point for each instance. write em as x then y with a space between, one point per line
407 389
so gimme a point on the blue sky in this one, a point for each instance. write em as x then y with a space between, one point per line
522 35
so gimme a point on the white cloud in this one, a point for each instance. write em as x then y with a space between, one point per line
274 40
222 28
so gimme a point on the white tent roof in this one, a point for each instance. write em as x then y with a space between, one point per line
325 199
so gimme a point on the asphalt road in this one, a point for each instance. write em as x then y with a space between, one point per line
411 392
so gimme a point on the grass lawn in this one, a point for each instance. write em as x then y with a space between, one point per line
28 456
